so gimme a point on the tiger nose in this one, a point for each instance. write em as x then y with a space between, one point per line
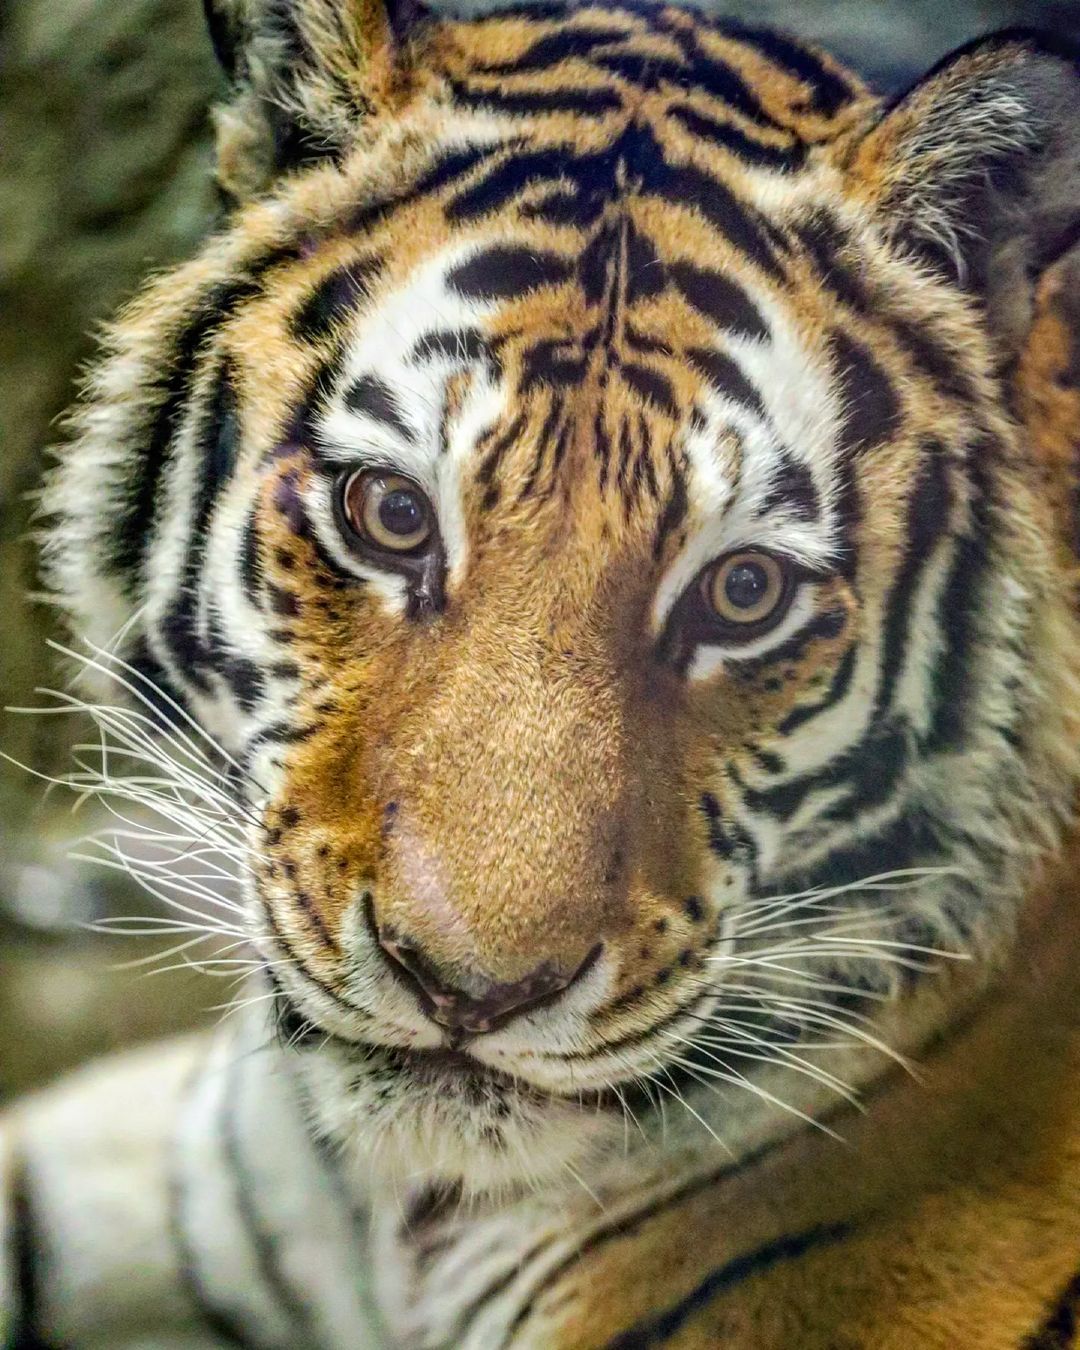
491 1005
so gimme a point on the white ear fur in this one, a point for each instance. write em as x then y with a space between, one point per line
977 168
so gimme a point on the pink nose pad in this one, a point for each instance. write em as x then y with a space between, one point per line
495 1004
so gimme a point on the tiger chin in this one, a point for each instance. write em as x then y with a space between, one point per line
588 553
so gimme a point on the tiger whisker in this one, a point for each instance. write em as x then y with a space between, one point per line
137 689
674 1092
740 1080
780 1057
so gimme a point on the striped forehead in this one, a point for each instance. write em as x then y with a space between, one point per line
388 401
754 379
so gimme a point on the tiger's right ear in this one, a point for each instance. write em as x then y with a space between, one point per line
305 75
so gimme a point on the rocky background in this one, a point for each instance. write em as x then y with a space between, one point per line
105 175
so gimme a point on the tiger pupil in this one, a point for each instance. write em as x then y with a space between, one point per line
401 513
746 585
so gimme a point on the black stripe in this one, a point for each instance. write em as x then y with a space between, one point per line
829 92
447 170
297 964
28 1255
551 362
872 408
823 627
652 385
658 1329
554 48
263 1241
214 451
832 251
736 220
960 605
838 687
868 771
626 453
244 678
496 446
301 429
507 271
644 477
847 514
834 255
646 69
225 1323
727 838
372 396
562 207
726 378
505 179
793 489
333 298
544 438
631 1223
638 155
535 102
599 263
250 563
1059 1329
719 299
674 513
909 839
736 142
602 446
645 271
929 512
150 456
461 345
720 79
153 683
1074 531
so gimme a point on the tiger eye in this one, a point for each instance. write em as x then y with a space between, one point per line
387 511
746 589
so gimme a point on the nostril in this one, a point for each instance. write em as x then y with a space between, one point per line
493 1005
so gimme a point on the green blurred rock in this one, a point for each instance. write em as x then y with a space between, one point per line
105 174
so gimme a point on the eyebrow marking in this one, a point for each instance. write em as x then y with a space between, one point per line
507 271
793 487
652 385
719 299
373 397
726 378
453 344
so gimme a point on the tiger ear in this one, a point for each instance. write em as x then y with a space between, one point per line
977 169
304 75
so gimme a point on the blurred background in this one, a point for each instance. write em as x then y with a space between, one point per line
105 176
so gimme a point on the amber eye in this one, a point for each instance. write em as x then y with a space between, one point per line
747 590
387 511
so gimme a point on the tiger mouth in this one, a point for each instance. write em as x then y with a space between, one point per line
450 1068
445 1067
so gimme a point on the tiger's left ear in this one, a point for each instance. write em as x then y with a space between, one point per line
977 169
305 74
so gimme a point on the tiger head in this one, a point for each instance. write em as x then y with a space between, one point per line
605 487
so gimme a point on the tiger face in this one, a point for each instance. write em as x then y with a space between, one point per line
578 492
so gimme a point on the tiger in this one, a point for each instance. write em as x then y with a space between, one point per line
589 551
